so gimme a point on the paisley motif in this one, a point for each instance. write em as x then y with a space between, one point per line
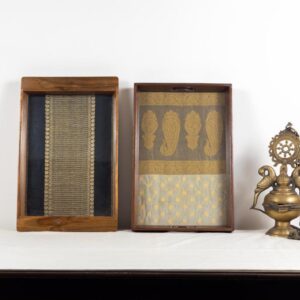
171 131
214 131
192 126
149 127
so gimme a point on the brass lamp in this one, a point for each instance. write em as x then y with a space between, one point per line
283 203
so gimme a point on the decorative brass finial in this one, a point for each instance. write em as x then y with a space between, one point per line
282 203
284 147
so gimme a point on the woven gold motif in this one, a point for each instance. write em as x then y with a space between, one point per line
192 126
69 155
181 99
214 130
149 127
182 180
171 131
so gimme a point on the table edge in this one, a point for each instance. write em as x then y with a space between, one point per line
18 273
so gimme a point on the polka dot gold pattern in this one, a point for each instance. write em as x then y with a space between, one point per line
184 206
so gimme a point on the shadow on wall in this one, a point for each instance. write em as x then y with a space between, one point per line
9 132
125 155
246 164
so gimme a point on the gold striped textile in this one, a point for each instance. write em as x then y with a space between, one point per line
181 99
69 155
183 167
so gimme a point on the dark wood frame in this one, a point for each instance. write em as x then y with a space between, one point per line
183 87
66 85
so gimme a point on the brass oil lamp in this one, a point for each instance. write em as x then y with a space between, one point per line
282 203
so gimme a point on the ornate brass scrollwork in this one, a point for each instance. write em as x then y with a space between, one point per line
282 203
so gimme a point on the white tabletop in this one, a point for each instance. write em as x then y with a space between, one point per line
126 250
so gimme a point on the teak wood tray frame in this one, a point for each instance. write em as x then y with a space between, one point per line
61 86
184 87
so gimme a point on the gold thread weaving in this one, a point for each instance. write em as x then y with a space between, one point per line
181 99
182 180
171 131
69 155
149 127
182 167
182 200
192 126
214 130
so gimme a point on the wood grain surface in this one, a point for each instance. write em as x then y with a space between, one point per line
65 85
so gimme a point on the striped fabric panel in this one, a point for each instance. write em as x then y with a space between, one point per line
69 155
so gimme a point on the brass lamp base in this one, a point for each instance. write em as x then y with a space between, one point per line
283 203
282 229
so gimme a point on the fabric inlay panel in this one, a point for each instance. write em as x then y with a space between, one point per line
69 155
182 159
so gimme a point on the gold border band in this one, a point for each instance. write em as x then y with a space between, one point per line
182 167
181 99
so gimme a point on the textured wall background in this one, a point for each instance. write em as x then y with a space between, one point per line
252 44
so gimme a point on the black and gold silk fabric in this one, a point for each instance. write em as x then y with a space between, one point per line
69 155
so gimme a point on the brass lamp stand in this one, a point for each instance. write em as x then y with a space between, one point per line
283 203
